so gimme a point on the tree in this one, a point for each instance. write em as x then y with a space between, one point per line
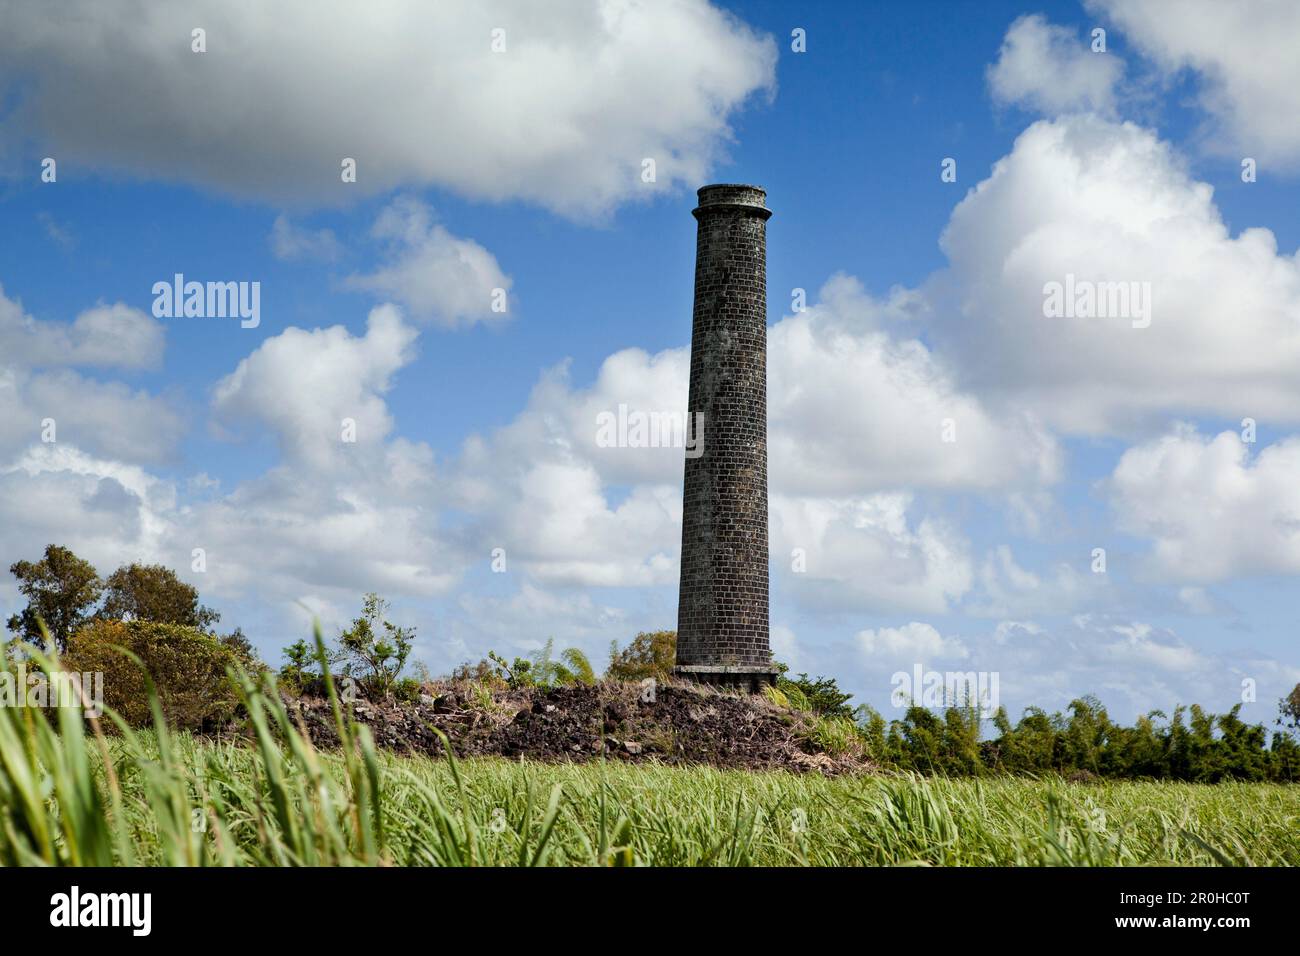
239 644
61 589
1085 734
651 654
375 647
1288 711
151 592
297 672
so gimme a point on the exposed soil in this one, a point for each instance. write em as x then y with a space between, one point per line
681 724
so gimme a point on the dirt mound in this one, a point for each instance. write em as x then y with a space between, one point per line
677 724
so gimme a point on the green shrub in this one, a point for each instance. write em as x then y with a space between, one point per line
796 699
471 671
651 654
836 735
243 650
187 666
515 675
407 690
374 650
297 673
572 667
820 695
541 669
775 696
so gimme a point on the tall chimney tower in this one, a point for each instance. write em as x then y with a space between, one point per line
722 614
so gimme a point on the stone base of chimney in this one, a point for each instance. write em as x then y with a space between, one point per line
750 678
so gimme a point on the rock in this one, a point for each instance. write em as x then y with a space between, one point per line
573 723
616 712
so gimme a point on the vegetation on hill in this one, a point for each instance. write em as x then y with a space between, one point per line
144 620
188 668
649 655
1190 745
70 795
63 593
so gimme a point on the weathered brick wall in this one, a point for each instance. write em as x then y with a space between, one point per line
722 617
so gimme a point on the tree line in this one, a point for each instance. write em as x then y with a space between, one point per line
66 592
160 619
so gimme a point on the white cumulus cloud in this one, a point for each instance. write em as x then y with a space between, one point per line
105 336
1088 201
563 116
1051 70
867 553
854 406
1245 57
914 642
290 242
435 275
1212 509
302 385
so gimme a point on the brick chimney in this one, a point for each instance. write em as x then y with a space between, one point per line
722 614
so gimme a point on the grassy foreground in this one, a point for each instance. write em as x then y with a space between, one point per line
71 794
620 814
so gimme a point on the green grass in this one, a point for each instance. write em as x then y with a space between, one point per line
72 796
498 814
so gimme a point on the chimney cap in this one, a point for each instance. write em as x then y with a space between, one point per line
732 196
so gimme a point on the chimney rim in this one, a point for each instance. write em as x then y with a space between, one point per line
732 196
753 186
711 188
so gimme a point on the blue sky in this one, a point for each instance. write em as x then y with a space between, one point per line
521 169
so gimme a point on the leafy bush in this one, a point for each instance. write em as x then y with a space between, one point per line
295 674
483 673
821 695
242 648
571 668
407 690
651 654
541 669
374 649
515 675
188 669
